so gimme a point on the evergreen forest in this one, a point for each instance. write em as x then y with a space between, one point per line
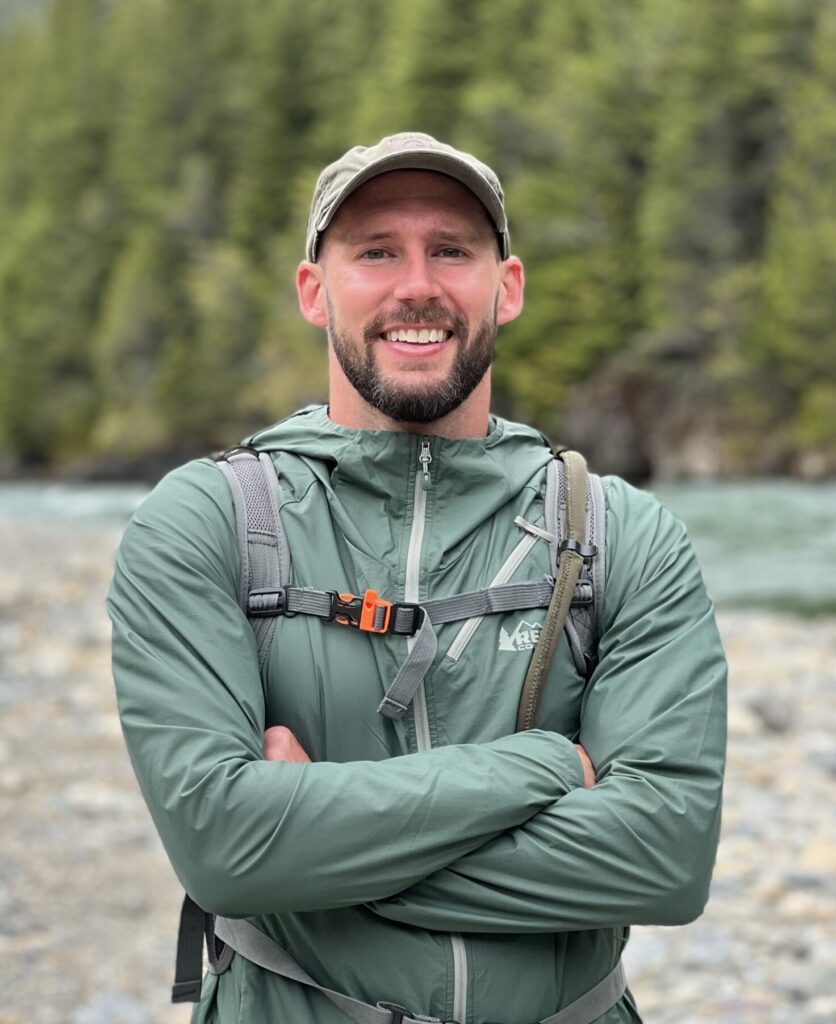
670 175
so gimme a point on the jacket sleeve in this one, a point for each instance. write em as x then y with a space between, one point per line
638 847
249 836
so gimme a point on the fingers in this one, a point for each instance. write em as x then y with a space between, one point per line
281 745
589 777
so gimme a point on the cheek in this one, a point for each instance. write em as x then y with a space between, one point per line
355 299
479 308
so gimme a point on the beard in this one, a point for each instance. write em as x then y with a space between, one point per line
427 401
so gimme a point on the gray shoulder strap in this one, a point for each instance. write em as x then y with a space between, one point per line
259 949
585 622
262 542
598 536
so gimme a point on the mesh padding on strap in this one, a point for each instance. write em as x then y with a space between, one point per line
260 516
265 557
583 626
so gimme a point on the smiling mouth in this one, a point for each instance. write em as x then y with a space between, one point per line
418 337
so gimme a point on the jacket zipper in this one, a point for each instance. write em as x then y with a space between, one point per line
425 458
423 740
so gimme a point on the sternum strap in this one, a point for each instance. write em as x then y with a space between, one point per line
503 598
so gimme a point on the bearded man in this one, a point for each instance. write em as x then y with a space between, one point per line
416 860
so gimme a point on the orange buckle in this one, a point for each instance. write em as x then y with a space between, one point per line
369 612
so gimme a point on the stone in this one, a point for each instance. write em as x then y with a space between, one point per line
111 1007
82 847
776 711
821 1010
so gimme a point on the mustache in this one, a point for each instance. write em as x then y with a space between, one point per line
431 313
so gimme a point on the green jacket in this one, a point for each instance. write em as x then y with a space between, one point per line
442 862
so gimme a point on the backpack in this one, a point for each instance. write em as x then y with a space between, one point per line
575 529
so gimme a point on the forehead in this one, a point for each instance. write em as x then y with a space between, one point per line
398 196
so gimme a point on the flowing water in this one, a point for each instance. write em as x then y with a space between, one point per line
762 543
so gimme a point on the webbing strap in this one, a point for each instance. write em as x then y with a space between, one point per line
502 598
308 602
599 563
262 543
505 597
189 970
594 1003
569 569
256 947
407 618
411 673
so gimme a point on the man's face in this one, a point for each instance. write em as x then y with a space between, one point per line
412 288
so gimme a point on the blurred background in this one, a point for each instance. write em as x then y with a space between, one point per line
670 173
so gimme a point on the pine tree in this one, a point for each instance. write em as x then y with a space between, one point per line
793 343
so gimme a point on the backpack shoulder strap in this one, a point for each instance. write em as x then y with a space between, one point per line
572 555
262 542
585 623
575 511
265 564
597 535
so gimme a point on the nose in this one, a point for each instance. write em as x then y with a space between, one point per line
416 282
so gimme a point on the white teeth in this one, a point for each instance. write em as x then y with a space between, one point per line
413 337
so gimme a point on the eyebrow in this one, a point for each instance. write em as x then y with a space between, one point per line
450 237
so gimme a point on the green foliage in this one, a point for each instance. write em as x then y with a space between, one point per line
670 175
792 342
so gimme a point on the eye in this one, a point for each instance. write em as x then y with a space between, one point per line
451 252
374 254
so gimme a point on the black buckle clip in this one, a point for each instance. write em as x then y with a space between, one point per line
586 551
398 1012
267 602
347 609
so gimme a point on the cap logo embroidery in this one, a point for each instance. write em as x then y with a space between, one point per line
397 144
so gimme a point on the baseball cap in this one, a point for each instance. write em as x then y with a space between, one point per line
410 151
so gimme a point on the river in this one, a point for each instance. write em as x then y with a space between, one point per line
767 544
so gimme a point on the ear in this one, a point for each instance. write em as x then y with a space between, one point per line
310 290
511 289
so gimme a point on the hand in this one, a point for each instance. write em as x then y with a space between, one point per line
589 777
281 745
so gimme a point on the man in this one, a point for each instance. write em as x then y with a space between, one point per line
440 863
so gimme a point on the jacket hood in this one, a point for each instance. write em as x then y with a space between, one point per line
489 471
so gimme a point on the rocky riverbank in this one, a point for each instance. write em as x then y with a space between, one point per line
88 903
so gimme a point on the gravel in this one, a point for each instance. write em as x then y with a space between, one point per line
88 902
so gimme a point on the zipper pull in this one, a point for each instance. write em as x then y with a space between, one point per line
425 458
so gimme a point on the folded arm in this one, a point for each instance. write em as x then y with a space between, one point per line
247 835
639 847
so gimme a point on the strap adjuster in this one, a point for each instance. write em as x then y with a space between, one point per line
398 1012
267 602
586 551
400 1015
186 991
